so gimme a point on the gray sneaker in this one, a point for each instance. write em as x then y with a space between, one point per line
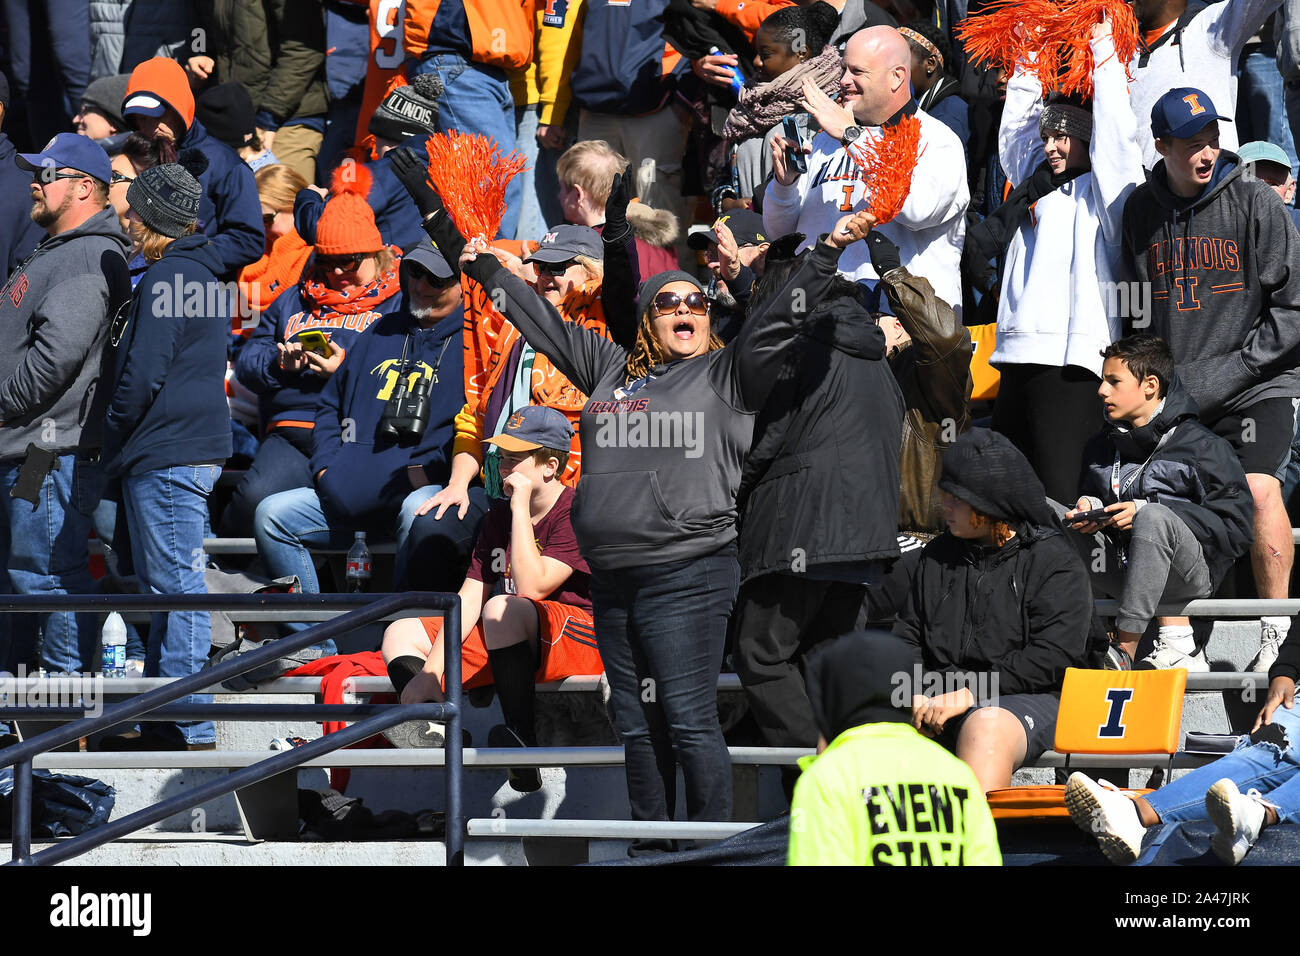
422 733
1270 642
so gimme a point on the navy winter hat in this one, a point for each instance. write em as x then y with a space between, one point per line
1182 113
227 112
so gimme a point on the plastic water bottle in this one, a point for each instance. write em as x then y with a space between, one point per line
737 79
113 642
358 564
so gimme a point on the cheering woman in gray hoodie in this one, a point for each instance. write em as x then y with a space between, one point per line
664 433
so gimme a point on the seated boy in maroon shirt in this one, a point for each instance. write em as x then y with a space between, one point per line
525 604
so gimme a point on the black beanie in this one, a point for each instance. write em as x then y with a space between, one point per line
986 471
228 113
408 110
866 677
105 97
166 197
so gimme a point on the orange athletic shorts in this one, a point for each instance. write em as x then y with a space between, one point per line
567 638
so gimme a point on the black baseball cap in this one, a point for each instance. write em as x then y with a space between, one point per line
745 225
1182 113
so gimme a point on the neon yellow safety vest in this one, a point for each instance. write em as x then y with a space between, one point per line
883 795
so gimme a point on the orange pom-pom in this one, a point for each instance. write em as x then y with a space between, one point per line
1052 37
889 162
471 176
352 178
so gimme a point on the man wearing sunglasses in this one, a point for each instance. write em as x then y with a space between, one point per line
55 313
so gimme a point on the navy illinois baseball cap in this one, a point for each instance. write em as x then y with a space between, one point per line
564 242
1182 113
69 151
534 426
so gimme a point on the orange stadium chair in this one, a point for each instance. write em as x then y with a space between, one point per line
1103 712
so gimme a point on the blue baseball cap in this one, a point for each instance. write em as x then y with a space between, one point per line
534 426
1182 113
69 151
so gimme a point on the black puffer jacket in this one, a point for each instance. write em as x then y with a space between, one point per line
1021 613
821 482
1194 473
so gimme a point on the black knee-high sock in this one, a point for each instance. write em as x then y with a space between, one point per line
512 671
401 670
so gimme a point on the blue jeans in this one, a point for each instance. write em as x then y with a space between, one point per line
280 465
540 208
167 514
1262 103
43 549
661 630
476 99
288 523
1263 767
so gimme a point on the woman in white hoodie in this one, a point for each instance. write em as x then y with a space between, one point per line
1060 303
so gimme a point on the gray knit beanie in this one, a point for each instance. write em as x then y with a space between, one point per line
105 96
1065 118
408 110
651 286
166 197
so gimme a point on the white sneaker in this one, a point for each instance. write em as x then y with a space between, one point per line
1111 817
1167 656
1238 817
1270 642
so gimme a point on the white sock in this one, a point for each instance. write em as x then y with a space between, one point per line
1178 636
1283 624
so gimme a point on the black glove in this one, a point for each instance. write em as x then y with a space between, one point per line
414 175
616 227
885 256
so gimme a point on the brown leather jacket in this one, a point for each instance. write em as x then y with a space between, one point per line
933 373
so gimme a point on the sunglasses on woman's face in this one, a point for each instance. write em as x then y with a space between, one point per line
667 302
342 263
268 218
553 268
120 178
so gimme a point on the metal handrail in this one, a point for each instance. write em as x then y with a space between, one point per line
20 755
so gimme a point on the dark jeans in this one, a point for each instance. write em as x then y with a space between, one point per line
282 464
661 630
779 618
1049 413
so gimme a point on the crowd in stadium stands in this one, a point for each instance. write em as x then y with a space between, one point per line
700 404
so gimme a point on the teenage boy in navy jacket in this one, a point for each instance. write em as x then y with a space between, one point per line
370 471
1178 507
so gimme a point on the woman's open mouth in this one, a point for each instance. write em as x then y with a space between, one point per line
684 331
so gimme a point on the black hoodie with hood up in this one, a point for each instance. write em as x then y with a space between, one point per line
1193 472
1223 270
822 475
1021 613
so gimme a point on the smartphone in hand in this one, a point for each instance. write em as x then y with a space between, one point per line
1098 515
794 155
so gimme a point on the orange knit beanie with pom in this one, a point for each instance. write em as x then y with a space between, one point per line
347 226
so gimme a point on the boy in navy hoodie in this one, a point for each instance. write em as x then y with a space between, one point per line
371 468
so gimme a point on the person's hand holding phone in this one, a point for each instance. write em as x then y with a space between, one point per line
291 356
325 366
1083 527
783 171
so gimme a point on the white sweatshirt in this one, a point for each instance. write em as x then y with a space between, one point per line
1059 303
928 231
1203 56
